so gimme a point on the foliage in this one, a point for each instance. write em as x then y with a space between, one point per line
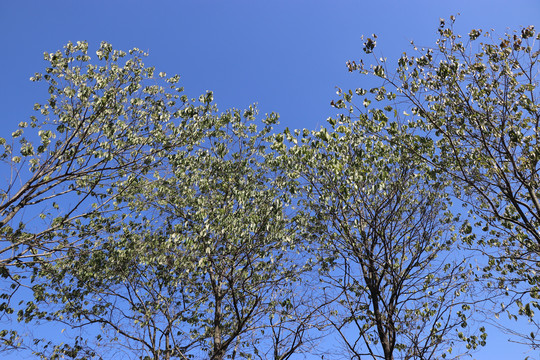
476 98
383 242
203 262
153 227
104 125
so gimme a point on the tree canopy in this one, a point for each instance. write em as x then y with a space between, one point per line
475 100
152 226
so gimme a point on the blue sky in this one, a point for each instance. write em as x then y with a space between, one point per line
288 56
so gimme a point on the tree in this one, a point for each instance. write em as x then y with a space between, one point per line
104 126
202 265
101 124
477 101
382 242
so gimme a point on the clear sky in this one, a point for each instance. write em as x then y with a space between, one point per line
286 55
